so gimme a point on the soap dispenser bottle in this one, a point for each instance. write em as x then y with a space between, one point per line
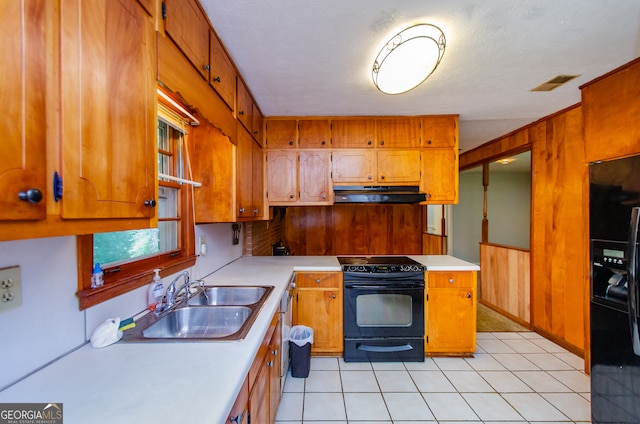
155 291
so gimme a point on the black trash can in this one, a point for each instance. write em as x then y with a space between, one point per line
300 341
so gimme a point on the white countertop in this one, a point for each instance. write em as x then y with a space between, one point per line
175 382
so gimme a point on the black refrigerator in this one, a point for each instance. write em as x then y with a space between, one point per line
614 211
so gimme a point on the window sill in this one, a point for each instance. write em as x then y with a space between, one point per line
117 284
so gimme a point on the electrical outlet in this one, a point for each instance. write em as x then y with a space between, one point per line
10 288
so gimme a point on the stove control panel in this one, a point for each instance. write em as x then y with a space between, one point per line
383 269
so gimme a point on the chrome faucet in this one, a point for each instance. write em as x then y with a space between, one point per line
171 293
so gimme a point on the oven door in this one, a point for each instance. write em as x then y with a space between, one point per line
383 311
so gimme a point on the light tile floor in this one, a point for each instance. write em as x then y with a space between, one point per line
513 378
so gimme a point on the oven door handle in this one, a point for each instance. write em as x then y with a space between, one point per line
399 348
384 287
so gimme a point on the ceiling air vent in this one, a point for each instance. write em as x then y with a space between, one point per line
554 82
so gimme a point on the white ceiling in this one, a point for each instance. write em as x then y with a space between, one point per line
314 57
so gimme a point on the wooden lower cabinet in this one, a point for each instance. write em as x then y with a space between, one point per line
260 394
318 304
450 312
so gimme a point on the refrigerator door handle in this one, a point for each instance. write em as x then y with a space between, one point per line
632 281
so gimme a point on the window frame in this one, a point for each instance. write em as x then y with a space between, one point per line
122 278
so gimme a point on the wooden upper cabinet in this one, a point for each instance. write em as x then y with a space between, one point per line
440 131
257 179
244 111
282 172
213 163
149 6
108 109
398 166
314 134
222 73
23 123
244 185
187 26
354 166
315 176
440 175
257 125
353 133
281 134
398 132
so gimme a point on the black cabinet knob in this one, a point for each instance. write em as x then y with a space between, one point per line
150 202
382 143
217 79
33 195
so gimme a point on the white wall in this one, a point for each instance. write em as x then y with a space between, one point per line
49 323
509 208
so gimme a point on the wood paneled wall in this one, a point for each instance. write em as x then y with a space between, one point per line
559 243
354 230
505 281
434 245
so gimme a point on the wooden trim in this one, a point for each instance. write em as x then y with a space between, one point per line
559 341
505 246
610 73
512 317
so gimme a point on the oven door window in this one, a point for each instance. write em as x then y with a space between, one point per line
384 310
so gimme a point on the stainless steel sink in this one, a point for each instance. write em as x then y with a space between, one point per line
229 295
199 322
214 313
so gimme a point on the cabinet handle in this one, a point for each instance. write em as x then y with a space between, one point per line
270 364
370 177
237 419
217 79
324 195
291 196
428 141
382 142
369 143
450 280
241 112
206 67
323 142
468 295
255 132
33 195
291 143
241 210
382 177
318 281
274 352
428 195
255 211
333 296
150 202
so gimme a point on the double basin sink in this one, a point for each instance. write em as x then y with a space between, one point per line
214 313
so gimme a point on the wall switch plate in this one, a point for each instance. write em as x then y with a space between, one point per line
10 288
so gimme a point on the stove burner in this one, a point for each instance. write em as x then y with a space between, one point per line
379 264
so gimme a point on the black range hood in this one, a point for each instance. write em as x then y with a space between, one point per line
378 194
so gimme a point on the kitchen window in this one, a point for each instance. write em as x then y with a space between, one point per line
129 257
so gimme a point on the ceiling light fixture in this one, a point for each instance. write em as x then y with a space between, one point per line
506 161
408 58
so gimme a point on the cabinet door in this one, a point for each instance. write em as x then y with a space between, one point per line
240 408
398 132
352 133
222 73
109 121
321 309
314 134
245 105
315 176
259 397
188 28
213 163
257 124
281 134
440 131
244 185
398 166
440 175
257 179
450 320
354 166
23 125
282 174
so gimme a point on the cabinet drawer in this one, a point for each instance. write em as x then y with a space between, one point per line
319 279
449 279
